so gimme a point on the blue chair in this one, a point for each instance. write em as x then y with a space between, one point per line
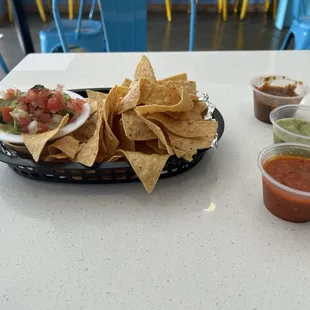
192 28
87 34
3 65
300 28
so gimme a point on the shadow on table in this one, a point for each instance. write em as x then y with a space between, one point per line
186 193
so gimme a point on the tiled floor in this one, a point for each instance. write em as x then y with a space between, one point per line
256 32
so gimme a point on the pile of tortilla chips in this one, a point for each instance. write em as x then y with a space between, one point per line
144 121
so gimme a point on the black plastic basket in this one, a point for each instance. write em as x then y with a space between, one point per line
115 172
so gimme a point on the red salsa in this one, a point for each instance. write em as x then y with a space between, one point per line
293 172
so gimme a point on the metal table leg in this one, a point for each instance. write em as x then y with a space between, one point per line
21 26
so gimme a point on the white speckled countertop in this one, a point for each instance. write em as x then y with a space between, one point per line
201 240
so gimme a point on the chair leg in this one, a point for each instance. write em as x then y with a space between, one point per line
267 5
274 9
243 9
49 5
168 10
76 6
3 65
286 41
70 8
10 11
225 10
220 6
41 10
192 28
236 6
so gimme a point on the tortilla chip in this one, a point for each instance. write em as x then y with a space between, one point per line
88 153
144 69
67 145
182 154
189 86
153 144
109 111
124 142
142 147
86 131
191 145
184 128
196 114
147 167
161 95
135 128
135 96
36 142
185 104
158 132
116 157
62 157
177 77
92 100
126 82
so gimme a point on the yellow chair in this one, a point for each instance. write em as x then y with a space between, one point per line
168 10
222 8
267 6
40 8
73 7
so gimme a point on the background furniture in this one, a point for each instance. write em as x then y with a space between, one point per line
3 65
40 6
21 26
87 34
300 28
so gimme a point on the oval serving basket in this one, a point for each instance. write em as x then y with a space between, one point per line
115 172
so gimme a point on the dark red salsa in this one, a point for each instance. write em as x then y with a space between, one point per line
293 172
263 104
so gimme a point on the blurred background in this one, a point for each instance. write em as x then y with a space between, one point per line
153 25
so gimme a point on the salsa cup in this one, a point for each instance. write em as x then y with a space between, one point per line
292 111
284 202
264 103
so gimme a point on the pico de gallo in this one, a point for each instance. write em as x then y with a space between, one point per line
38 110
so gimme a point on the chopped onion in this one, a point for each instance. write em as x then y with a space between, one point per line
57 119
33 127
16 113
60 88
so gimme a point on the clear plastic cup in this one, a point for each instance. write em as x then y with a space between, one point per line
284 202
264 103
292 111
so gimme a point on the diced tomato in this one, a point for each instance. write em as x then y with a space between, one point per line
6 116
41 116
76 106
59 95
46 118
23 121
25 129
54 105
10 94
42 127
32 95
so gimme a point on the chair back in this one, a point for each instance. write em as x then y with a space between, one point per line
298 8
60 29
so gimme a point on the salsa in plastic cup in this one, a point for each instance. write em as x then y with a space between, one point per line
271 92
285 171
291 123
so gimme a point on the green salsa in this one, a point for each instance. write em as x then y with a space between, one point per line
10 129
293 125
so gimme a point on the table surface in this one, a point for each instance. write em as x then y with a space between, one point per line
201 240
